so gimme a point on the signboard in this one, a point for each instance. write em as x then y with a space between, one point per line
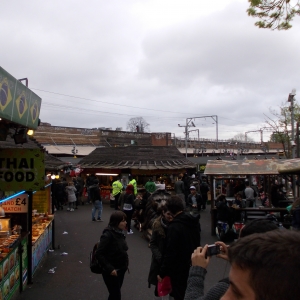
18 204
17 102
41 200
22 169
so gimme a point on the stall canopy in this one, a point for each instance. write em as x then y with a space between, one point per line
136 157
255 167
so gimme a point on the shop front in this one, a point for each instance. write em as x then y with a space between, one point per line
163 164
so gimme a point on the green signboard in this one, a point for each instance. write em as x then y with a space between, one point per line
22 169
18 103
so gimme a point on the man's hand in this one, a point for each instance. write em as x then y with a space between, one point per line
198 257
223 250
159 279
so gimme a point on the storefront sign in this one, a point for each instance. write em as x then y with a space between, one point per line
18 103
41 200
22 169
18 204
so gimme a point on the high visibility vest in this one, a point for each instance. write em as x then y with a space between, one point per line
117 187
133 182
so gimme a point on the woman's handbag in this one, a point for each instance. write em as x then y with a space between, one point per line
164 287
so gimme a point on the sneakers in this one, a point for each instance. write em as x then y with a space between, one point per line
99 220
130 232
72 209
94 220
68 208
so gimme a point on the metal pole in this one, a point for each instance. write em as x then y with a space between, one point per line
186 133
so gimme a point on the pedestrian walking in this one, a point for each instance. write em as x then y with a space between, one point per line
204 189
112 254
182 237
71 194
127 206
95 197
157 246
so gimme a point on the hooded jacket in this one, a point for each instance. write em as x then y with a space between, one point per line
183 237
112 250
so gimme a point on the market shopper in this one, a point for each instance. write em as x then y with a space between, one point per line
194 200
127 205
179 188
182 238
157 245
71 194
150 186
112 254
95 196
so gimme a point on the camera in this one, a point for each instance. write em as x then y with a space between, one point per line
213 250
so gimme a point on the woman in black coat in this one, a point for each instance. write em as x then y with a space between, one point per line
112 254
157 245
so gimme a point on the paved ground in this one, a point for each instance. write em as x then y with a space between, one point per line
72 278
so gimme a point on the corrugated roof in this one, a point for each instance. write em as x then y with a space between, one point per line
251 167
136 157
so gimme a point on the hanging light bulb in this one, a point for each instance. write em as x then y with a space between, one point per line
53 176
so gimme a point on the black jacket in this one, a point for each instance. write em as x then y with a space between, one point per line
157 246
95 192
183 237
112 250
198 200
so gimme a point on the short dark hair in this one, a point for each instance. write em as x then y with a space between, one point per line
272 259
174 204
116 218
258 226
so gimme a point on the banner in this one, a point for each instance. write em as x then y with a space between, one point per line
22 169
18 204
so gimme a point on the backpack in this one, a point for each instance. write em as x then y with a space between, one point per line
94 264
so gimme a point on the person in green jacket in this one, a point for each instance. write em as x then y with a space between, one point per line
134 183
150 186
117 189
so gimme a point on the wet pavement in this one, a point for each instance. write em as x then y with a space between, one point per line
71 278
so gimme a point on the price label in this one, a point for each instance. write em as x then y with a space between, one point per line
18 204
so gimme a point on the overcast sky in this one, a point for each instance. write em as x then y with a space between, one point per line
98 63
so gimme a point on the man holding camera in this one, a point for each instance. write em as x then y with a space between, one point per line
263 266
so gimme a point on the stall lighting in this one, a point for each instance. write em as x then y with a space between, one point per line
106 174
53 176
12 196
30 132
56 176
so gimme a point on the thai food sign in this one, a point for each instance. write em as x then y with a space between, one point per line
22 169
18 103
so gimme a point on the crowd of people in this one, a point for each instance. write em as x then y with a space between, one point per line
264 253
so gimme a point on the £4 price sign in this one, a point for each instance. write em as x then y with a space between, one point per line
18 204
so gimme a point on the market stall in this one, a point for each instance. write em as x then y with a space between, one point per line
22 180
241 169
161 163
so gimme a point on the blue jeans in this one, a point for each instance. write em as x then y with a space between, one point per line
97 206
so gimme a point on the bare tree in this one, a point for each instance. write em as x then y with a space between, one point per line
138 124
274 14
282 126
240 137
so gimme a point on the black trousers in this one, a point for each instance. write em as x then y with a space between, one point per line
117 201
114 284
128 214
